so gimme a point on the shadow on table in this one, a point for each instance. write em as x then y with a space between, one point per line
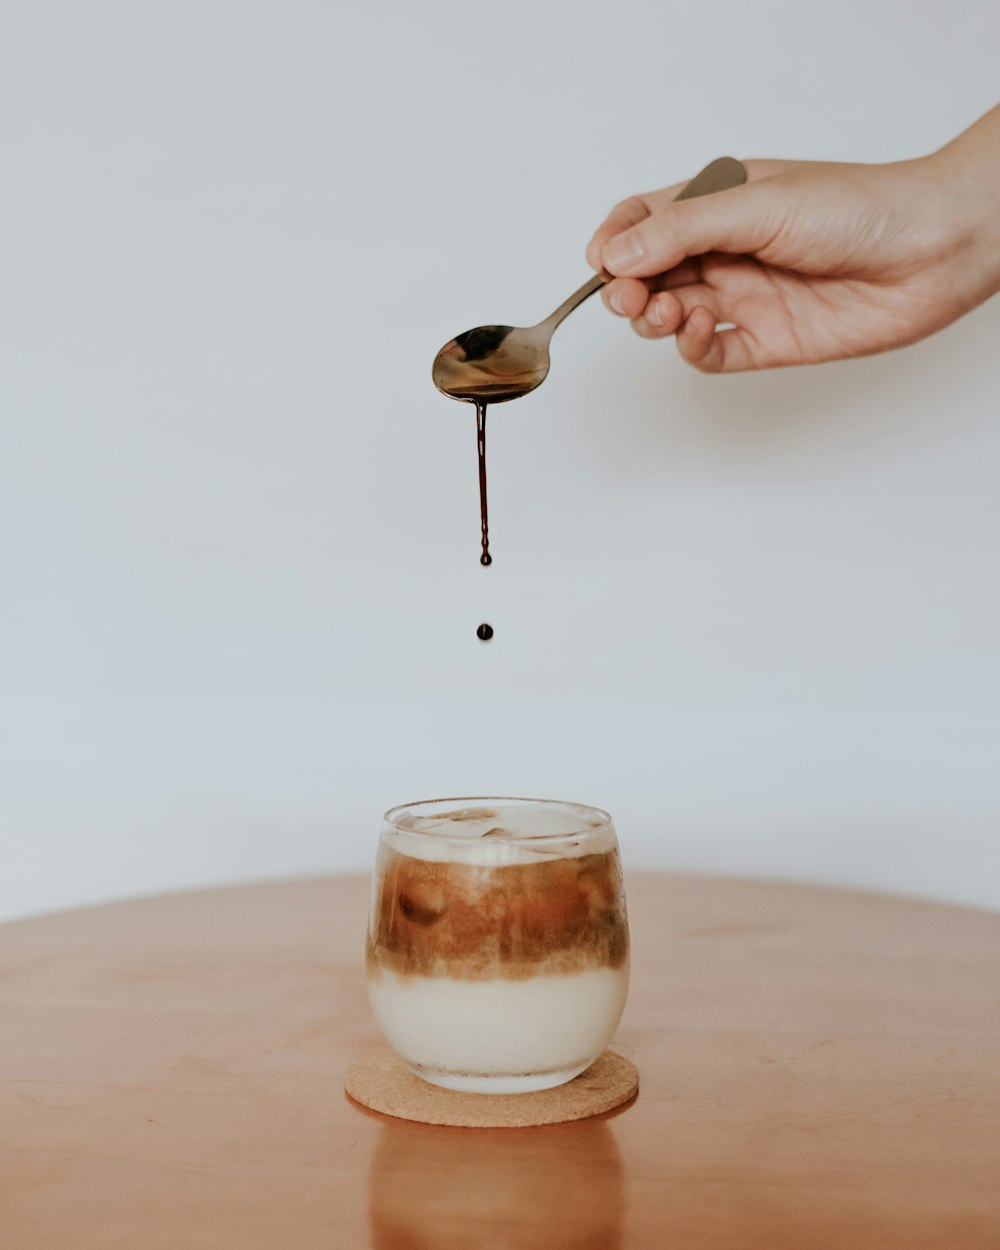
552 1188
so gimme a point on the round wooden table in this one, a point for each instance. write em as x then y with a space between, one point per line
820 1069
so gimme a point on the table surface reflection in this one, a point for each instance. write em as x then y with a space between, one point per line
820 1069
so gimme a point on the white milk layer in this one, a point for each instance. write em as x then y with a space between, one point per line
500 1027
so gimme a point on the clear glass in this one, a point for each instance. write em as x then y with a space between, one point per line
498 949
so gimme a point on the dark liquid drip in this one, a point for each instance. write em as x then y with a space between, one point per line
485 558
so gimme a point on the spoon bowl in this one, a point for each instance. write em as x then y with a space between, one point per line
492 364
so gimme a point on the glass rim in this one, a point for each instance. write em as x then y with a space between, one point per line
391 817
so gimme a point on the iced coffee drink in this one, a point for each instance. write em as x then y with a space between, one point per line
498 941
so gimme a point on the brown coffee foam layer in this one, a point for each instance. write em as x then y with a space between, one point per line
476 922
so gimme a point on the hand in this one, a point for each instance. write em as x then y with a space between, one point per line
809 262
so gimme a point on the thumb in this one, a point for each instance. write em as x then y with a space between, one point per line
743 219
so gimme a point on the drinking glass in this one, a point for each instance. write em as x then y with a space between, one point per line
498 949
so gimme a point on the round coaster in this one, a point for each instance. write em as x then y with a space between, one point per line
380 1081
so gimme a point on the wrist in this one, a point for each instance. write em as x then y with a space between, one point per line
967 171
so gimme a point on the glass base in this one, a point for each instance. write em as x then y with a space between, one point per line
477 1083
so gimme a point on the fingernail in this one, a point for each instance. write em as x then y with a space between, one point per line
615 300
654 314
624 251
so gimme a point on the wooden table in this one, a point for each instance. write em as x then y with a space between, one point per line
820 1069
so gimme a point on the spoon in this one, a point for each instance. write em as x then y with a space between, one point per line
491 364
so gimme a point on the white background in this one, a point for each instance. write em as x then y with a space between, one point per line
757 617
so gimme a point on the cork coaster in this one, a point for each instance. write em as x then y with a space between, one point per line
380 1081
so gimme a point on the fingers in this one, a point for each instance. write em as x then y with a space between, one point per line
699 342
637 208
626 297
630 297
692 314
663 315
627 214
743 219
624 215
711 350
687 273
655 247
666 311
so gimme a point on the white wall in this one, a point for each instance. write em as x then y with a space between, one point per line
239 550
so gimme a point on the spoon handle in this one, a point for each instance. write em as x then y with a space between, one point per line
593 283
720 175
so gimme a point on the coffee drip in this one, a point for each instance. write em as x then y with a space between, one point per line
485 559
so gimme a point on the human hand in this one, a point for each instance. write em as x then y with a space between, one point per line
807 262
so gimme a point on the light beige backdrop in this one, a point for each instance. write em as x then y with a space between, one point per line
757 617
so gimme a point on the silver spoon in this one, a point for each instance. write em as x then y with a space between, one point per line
491 364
